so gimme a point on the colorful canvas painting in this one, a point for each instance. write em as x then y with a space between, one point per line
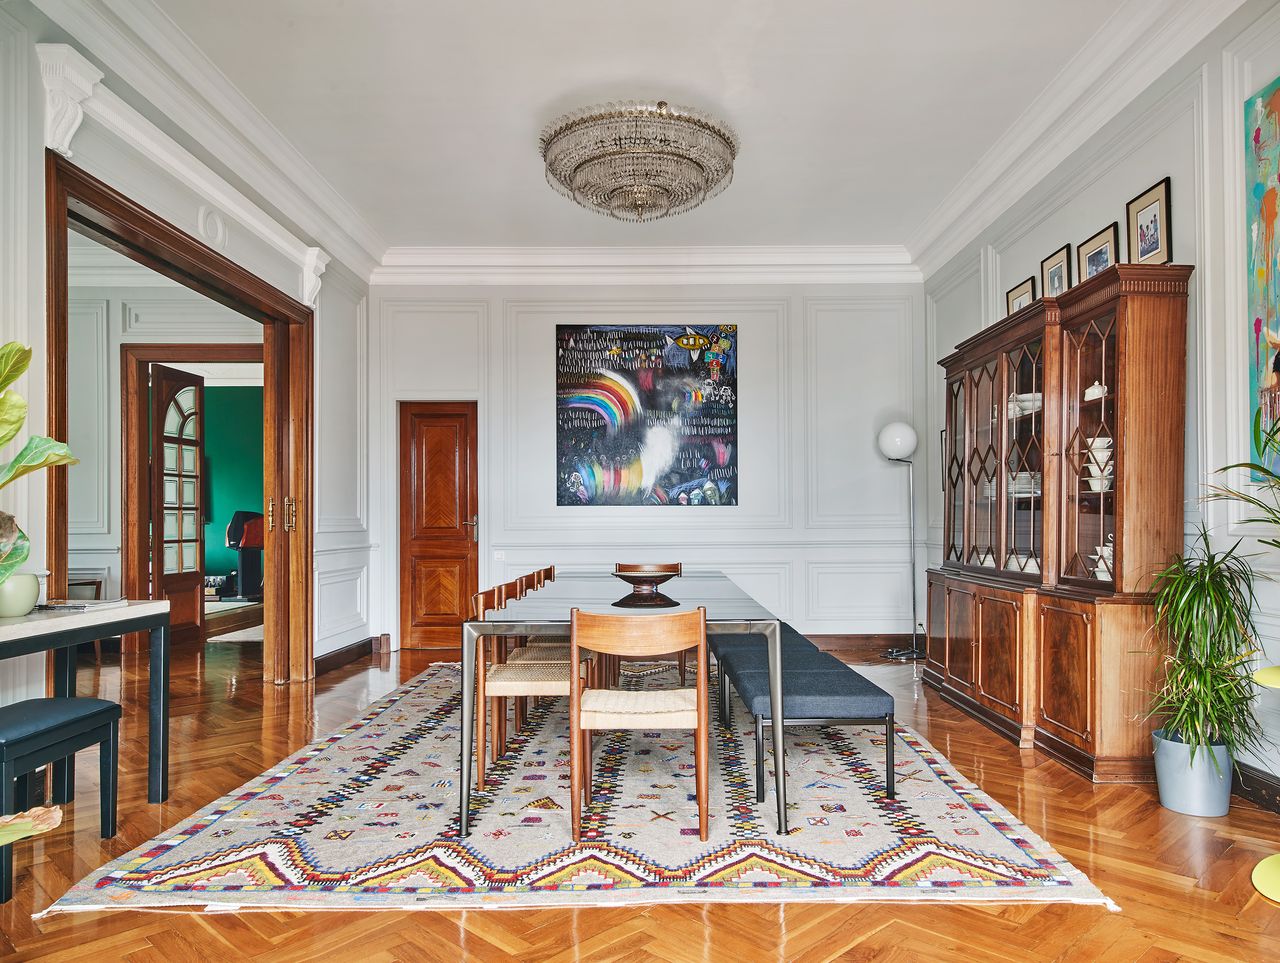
1262 179
647 414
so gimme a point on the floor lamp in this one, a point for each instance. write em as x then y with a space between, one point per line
1266 875
897 443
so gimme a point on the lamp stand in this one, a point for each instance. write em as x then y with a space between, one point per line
915 653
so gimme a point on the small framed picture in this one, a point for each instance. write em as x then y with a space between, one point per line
1055 272
1150 229
1099 252
1017 298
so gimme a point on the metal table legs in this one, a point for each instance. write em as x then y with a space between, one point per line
468 725
158 728
773 635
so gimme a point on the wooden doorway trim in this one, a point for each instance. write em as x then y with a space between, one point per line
135 361
78 201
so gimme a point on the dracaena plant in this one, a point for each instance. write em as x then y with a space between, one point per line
1204 603
38 452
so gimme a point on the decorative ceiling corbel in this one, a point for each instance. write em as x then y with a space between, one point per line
69 79
313 265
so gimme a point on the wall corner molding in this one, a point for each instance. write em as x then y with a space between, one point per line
69 79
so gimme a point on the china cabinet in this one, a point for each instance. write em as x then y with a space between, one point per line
1062 474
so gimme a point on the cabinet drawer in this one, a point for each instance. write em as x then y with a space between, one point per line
1066 670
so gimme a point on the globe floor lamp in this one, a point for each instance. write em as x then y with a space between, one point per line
897 443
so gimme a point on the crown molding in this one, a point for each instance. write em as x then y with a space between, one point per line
1132 49
73 91
148 51
867 264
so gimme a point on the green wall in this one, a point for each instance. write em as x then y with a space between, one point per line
233 453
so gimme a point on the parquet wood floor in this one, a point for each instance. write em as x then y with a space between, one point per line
1183 883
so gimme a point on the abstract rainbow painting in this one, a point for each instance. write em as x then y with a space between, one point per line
647 414
1262 185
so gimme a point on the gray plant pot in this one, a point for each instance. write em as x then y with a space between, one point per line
1197 789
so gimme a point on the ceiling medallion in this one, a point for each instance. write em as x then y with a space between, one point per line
638 161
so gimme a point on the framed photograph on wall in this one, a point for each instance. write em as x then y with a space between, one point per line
1099 252
1055 272
1019 297
1149 227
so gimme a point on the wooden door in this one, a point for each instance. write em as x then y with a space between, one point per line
177 498
1000 651
961 605
439 521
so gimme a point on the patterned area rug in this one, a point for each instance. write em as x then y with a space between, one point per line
366 818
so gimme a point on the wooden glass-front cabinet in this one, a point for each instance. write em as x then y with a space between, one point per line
1062 473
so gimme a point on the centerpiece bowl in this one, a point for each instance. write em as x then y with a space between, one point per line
644 582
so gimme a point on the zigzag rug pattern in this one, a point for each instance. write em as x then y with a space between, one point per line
366 818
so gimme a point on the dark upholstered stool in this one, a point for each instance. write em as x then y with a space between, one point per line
38 732
816 691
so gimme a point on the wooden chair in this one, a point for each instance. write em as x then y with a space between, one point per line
594 709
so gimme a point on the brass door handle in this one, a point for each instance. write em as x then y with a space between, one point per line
474 525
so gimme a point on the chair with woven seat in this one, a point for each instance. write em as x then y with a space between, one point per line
37 732
596 707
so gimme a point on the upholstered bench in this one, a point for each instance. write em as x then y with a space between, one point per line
37 732
817 690
795 649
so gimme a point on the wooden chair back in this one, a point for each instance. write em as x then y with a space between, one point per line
638 635
549 574
509 592
534 580
484 602
666 568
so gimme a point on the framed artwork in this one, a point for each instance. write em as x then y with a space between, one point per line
1017 298
647 414
1261 149
1149 233
1055 272
1099 252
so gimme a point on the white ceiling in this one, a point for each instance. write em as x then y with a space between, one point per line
856 117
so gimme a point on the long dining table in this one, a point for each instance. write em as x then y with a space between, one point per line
546 612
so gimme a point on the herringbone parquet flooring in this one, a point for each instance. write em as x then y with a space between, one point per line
1183 883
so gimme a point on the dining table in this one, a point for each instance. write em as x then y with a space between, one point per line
546 611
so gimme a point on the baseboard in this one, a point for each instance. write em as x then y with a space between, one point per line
1257 786
343 656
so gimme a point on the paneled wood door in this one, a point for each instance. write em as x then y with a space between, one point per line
439 521
177 498
961 637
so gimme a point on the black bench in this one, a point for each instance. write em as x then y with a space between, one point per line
817 690
37 732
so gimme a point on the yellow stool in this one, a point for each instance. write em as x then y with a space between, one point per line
1266 875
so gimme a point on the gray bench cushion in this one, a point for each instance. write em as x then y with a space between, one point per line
722 645
813 690
22 720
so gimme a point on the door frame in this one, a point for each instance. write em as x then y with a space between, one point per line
76 200
135 502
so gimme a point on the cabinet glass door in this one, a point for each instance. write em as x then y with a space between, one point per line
1024 458
954 466
984 466
1089 386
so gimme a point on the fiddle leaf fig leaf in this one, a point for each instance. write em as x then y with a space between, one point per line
15 357
13 412
14 545
39 452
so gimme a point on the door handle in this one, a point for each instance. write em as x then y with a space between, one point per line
474 525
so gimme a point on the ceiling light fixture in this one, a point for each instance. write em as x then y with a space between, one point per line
638 161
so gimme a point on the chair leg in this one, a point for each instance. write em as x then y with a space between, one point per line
499 728
97 650
889 774
759 759
522 705
64 780
108 760
682 662
702 765
7 808
586 766
575 780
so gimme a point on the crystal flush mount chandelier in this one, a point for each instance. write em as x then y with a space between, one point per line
638 161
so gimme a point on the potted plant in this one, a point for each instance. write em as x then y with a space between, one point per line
1204 602
19 591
